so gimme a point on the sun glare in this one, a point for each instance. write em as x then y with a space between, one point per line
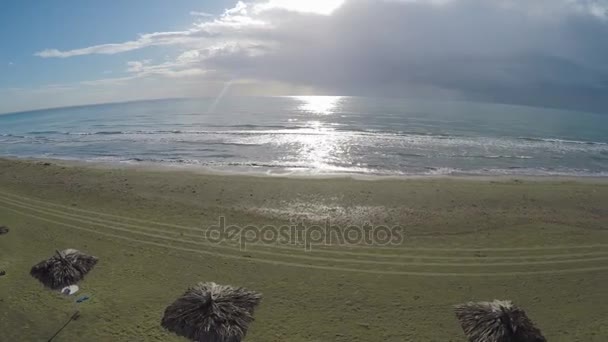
325 7
319 104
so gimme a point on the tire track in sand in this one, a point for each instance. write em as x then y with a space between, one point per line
315 267
430 249
314 258
323 251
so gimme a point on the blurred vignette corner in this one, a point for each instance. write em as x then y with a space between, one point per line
299 170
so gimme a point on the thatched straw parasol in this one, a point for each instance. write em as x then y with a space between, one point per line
4 230
209 312
497 321
63 269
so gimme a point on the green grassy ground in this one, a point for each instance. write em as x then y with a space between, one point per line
542 244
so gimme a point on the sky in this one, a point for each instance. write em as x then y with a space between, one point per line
547 53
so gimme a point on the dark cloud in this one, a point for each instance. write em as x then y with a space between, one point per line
544 53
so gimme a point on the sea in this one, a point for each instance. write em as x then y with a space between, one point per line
318 135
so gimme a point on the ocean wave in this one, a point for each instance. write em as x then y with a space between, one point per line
279 167
287 130
221 155
514 171
495 156
562 141
43 132
409 136
214 163
490 156
230 164
231 143
406 154
285 166
156 132
428 171
251 126
77 133
8 135
277 130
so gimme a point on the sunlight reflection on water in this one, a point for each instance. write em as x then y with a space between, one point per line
322 105
324 146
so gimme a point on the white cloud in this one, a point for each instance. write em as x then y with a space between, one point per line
200 14
189 56
234 21
137 66
325 7
108 81
186 65
144 40
239 9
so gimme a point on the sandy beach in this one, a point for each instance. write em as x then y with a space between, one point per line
542 243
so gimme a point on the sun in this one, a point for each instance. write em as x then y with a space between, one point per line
325 7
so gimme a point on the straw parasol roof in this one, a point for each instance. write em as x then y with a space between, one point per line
63 269
209 312
497 321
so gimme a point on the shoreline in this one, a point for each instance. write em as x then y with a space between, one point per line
207 171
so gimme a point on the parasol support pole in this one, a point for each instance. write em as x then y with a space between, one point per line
60 255
73 317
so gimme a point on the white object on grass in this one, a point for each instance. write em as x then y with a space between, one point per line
70 290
